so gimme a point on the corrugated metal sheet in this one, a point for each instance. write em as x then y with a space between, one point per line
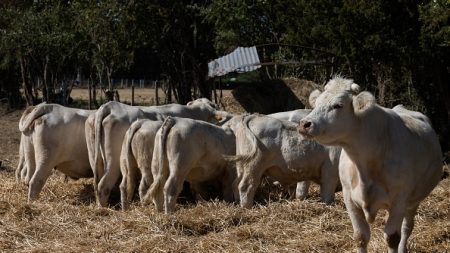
242 59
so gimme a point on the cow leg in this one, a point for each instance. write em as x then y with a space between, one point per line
21 165
146 181
23 173
328 182
106 184
393 227
301 191
407 227
158 199
235 187
43 171
123 190
227 185
172 189
98 173
128 184
30 162
248 185
361 229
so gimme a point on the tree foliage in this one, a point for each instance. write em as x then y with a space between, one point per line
397 49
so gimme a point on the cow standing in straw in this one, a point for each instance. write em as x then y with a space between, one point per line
391 158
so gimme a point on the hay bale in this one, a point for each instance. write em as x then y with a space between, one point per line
269 96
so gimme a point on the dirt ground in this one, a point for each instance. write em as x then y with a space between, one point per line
66 219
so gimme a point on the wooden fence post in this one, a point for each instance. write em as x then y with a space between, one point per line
132 92
156 92
90 95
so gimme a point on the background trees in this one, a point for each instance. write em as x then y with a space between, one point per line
397 49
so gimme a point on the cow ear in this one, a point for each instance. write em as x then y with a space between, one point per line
190 103
362 102
354 88
313 96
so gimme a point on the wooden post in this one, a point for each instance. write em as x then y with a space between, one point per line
156 92
90 95
215 92
132 92
220 88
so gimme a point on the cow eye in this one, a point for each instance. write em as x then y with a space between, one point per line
337 106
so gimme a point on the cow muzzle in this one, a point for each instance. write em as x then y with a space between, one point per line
304 128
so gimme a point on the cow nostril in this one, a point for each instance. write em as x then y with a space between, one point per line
306 125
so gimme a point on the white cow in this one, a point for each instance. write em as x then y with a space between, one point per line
112 121
391 158
136 158
292 116
272 147
302 188
190 150
54 139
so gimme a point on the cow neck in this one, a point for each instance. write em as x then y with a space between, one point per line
369 138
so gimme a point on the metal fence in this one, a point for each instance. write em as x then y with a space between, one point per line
123 83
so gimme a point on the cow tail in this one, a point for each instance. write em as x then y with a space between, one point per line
98 170
244 138
30 115
127 159
160 158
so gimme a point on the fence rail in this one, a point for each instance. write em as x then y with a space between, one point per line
123 83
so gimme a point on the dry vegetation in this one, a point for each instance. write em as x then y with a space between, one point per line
65 218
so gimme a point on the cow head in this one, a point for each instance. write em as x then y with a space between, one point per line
336 111
203 101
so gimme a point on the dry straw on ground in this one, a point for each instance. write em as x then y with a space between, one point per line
65 219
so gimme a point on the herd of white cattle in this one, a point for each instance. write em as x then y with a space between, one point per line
384 158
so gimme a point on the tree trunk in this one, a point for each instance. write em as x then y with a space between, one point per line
156 93
203 83
26 85
89 95
45 93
